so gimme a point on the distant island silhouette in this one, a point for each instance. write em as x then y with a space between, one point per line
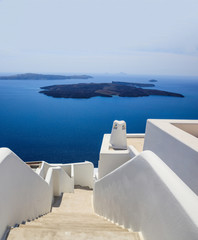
36 76
153 80
88 90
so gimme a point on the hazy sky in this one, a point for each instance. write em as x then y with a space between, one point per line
98 36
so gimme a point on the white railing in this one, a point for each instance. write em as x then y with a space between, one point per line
177 148
23 194
146 196
26 194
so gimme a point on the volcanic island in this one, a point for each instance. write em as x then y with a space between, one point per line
89 90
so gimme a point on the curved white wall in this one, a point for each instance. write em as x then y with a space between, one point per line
26 195
177 148
146 196
23 194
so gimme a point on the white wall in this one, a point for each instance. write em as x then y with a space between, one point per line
132 151
109 162
23 194
81 173
84 174
42 171
61 182
148 197
110 159
177 148
68 169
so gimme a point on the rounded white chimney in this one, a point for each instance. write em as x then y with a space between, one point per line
118 138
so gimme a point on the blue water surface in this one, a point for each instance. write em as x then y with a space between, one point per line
37 127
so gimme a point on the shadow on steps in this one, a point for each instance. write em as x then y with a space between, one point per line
57 201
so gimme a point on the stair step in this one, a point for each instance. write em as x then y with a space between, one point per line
74 219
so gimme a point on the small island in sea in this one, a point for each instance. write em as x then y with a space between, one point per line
153 80
36 76
88 90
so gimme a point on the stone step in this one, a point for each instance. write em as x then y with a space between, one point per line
73 219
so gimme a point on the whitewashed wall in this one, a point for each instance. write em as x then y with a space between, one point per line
23 194
83 174
177 148
68 169
110 159
148 197
132 151
26 195
61 182
42 171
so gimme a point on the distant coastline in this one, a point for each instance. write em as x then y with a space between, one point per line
89 90
35 76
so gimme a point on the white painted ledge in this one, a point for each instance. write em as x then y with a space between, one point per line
111 159
23 194
176 147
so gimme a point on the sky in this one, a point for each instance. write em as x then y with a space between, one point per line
158 37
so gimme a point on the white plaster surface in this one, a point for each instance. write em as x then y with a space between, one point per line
26 194
61 182
118 135
84 174
111 159
23 194
133 151
77 174
42 171
145 195
95 173
176 147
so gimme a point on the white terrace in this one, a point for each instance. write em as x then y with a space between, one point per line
144 188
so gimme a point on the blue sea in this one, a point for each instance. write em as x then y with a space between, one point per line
37 127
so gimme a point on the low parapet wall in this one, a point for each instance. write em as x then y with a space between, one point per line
63 181
145 195
59 181
176 147
26 195
110 159
81 173
23 194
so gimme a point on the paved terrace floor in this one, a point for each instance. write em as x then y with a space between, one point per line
137 142
74 219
